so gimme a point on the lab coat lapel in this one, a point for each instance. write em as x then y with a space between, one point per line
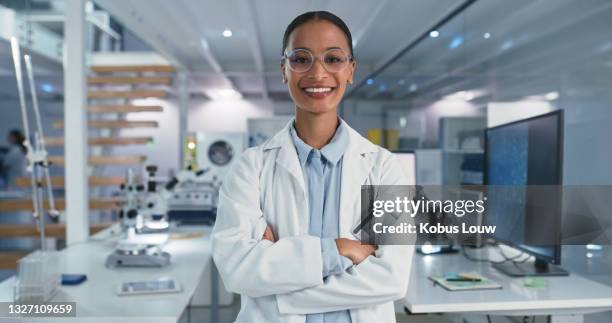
287 156
290 178
356 166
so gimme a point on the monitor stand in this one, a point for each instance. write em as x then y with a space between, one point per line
539 268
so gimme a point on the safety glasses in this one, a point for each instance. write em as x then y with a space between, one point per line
301 60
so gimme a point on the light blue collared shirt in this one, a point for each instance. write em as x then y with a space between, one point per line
322 171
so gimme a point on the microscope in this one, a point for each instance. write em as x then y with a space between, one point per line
144 223
187 198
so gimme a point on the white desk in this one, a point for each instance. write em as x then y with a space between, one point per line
567 299
95 298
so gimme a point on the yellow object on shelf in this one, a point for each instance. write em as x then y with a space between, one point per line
388 138
391 139
375 135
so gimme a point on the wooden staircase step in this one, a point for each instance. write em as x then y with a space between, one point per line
58 181
113 124
52 230
95 80
104 141
104 160
8 259
132 94
133 68
26 204
124 108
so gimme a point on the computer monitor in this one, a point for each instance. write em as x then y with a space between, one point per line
523 171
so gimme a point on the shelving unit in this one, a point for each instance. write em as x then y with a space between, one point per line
462 145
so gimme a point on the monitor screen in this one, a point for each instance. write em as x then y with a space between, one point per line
519 157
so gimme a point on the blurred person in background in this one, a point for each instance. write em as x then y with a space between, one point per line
14 163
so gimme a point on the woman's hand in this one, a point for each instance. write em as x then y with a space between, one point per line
268 234
354 250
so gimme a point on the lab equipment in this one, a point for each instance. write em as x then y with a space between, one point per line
193 199
154 208
148 208
38 163
143 217
38 277
159 286
187 197
130 254
520 155
217 152
195 190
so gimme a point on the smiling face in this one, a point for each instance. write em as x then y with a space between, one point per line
317 90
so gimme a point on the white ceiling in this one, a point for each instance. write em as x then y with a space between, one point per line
535 46
250 58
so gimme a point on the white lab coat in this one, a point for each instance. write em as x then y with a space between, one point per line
282 281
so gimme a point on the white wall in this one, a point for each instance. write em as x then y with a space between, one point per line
204 116
505 112
230 116
164 152
587 153
587 149
432 113
362 115
422 121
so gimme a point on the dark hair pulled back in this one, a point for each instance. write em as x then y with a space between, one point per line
317 15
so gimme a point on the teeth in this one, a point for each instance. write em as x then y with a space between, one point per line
317 89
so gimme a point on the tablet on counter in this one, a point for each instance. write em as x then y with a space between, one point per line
158 286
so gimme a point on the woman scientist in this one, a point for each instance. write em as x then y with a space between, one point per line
287 209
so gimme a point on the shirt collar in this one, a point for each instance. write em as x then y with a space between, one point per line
302 148
332 152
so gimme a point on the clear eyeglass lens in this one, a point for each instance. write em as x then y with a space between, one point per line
301 60
335 60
